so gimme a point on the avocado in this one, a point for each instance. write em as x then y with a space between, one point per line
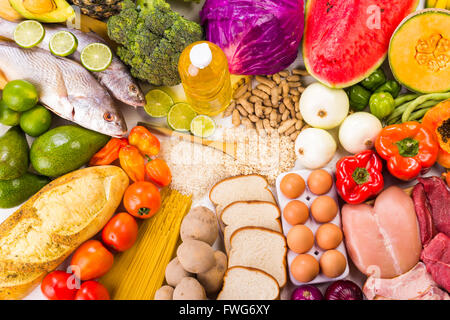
65 149
14 192
13 154
50 11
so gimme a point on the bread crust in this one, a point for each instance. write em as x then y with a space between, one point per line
22 274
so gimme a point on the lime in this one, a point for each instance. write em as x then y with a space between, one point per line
29 33
36 121
96 57
180 116
158 103
20 95
203 126
8 117
63 44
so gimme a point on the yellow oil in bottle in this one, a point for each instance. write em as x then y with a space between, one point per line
204 73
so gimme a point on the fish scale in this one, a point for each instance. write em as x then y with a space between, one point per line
65 87
116 78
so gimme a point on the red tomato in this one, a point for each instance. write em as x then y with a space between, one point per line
58 285
142 199
91 260
120 232
92 290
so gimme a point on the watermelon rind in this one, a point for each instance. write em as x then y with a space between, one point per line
338 85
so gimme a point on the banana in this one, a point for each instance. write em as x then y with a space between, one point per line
441 4
430 3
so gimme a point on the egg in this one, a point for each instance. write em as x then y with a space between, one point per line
324 209
320 182
300 238
304 268
292 185
296 212
328 236
332 263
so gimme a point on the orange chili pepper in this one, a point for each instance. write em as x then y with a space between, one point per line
109 153
146 142
132 162
159 172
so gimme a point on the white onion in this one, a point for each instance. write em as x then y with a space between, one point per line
315 148
359 131
323 107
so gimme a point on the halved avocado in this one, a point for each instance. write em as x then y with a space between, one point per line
49 11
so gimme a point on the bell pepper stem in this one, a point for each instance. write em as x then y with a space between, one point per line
360 175
408 147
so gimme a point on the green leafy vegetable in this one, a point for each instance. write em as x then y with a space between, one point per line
151 38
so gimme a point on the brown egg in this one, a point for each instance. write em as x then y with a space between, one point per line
320 181
292 185
328 236
332 263
324 209
300 238
304 268
296 212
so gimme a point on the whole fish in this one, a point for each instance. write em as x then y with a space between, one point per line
64 87
116 78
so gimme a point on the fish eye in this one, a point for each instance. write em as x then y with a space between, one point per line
108 116
133 88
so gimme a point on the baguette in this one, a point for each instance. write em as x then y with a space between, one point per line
53 223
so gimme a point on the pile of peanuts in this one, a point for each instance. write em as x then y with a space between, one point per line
270 106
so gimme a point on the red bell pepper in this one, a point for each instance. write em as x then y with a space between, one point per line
109 153
359 177
409 149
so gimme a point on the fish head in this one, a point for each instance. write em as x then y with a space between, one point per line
99 115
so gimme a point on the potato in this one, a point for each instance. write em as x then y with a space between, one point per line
189 289
164 293
196 256
175 272
200 224
212 279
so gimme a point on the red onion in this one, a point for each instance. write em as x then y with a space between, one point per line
344 290
307 292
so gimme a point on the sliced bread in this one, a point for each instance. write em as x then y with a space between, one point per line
244 283
260 248
249 213
240 188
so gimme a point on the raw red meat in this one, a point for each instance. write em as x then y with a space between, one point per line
423 212
436 256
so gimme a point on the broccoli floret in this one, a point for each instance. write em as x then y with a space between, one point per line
151 38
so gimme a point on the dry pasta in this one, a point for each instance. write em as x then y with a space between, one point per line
139 272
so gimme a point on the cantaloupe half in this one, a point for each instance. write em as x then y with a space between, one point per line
419 51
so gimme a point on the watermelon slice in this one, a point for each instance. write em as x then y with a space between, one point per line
346 40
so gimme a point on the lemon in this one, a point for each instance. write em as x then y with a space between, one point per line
203 126
29 33
158 103
180 117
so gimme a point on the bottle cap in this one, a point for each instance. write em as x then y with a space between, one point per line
201 55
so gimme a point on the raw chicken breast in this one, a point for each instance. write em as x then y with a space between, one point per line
383 240
416 284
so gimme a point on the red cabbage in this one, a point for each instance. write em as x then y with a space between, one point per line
259 37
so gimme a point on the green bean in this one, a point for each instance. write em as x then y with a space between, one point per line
405 98
418 114
399 111
422 99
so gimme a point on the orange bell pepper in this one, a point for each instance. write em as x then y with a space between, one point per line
409 148
132 162
146 142
159 172
109 153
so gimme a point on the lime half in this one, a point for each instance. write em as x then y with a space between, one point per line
63 43
158 103
29 33
203 126
180 117
96 57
